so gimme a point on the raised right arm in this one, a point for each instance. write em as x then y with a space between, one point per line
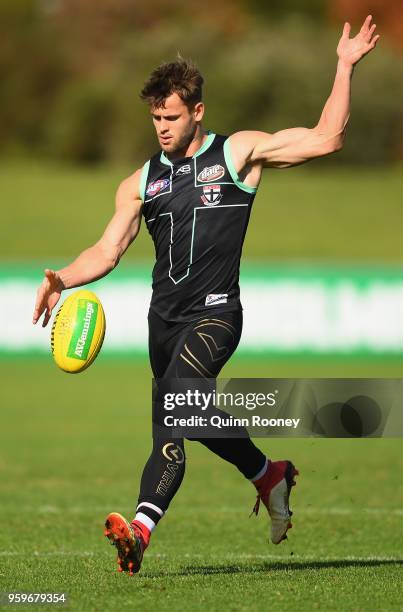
98 260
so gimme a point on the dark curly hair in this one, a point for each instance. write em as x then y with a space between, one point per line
181 77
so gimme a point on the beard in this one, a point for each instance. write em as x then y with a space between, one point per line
180 145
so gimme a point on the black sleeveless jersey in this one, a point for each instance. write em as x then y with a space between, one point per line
197 211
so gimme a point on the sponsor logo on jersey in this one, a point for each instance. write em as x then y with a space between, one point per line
216 298
211 173
157 186
185 169
211 195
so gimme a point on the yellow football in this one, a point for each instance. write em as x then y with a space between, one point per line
78 331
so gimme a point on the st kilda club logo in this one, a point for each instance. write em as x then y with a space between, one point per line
211 195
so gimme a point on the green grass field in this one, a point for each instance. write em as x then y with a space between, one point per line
315 213
72 450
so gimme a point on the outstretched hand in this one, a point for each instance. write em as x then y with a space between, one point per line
351 50
47 296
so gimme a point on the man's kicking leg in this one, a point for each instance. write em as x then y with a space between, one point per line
273 480
209 344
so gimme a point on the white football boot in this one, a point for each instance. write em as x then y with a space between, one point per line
274 489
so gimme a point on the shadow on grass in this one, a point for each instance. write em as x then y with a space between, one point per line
196 570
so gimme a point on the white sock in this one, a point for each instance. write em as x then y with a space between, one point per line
261 472
144 519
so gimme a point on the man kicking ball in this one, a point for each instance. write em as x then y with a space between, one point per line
196 195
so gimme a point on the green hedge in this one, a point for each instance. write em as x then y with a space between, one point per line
71 73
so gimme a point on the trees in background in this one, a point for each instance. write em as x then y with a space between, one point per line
71 70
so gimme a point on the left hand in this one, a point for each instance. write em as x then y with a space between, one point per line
351 50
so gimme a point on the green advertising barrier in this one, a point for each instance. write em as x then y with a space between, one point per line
288 309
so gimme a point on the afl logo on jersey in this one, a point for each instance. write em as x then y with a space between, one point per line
211 173
157 186
211 195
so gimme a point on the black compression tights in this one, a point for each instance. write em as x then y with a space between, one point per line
192 350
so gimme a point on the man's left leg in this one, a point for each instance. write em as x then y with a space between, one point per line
207 347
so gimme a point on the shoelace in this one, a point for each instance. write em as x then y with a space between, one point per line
255 509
